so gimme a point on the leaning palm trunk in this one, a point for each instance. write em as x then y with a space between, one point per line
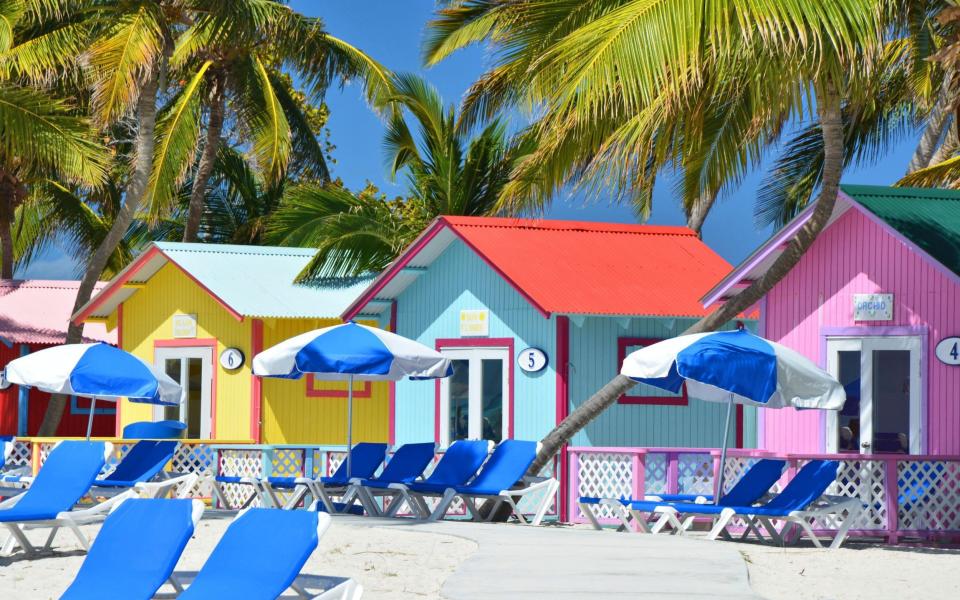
828 110
207 160
137 185
699 211
938 119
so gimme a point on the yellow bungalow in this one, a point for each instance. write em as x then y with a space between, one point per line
202 311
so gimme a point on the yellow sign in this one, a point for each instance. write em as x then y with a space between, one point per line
184 326
474 323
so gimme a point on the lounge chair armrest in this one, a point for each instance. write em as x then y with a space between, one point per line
98 512
159 489
533 484
397 486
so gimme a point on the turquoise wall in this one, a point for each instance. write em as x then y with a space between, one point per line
429 309
593 361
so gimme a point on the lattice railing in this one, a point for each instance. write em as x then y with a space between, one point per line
902 496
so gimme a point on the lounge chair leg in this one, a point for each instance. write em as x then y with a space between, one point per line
545 503
841 534
420 506
368 502
516 510
17 534
471 505
720 527
441 510
771 530
587 511
324 497
396 503
639 521
84 541
53 533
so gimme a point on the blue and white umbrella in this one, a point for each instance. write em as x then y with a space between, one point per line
351 352
93 371
735 367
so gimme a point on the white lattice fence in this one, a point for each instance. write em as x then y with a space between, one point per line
605 475
21 455
695 474
928 495
655 474
245 462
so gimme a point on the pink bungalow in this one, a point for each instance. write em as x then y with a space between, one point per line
34 315
875 302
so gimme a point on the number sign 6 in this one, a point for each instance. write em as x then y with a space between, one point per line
948 351
532 360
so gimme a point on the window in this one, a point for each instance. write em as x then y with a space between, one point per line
643 393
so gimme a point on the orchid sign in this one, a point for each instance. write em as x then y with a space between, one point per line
873 307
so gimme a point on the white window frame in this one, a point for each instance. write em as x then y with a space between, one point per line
474 355
161 355
866 346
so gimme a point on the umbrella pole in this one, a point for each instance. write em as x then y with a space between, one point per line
349 427
93 403
723 452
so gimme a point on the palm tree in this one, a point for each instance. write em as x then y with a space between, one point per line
448 172
233 57
609 77
42 138
124 50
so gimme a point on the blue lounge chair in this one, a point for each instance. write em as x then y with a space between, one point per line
800 502
405 466
753 485
283 541
65 477
142 469
136 550
502 479
459 464
367 458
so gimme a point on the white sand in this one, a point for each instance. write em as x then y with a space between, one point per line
853 572
390 562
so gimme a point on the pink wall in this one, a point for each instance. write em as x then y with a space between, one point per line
857 255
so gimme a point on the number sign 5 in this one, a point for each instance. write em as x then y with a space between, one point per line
532 360
948 351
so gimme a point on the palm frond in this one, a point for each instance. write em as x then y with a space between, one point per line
43 134
178 130
120 59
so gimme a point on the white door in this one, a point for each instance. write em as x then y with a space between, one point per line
474 401
193 369
881 376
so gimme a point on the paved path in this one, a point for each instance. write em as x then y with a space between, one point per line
563 562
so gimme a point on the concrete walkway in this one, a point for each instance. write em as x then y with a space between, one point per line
565 562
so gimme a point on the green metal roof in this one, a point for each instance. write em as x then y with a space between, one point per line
928 217
257 281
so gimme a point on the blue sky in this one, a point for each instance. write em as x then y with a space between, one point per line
391 31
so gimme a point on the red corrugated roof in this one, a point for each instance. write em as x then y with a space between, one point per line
37 312
578 267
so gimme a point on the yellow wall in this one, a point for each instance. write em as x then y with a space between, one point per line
288 415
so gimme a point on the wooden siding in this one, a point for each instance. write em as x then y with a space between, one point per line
856 255
430 309
148 317
594 361
290 417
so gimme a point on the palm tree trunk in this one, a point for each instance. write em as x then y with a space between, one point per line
7 193
936 122
699 211
207 159
950 144
136 186
828 111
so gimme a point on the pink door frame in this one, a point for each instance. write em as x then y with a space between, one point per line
507 343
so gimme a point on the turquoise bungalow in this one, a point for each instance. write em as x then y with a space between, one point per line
538 315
